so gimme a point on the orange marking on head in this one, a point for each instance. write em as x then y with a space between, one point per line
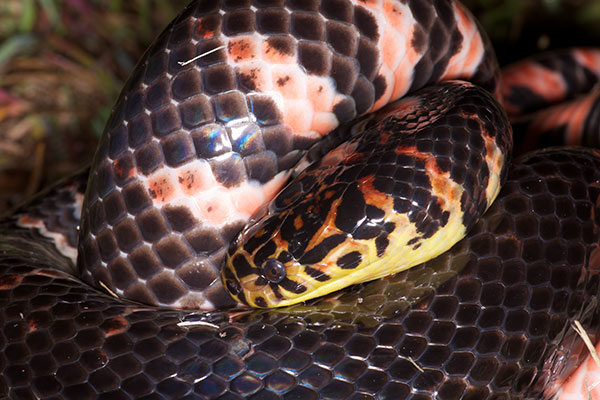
114 326
10 282
161 189
400 109
298 222
242 49
384 137
373 196
439 179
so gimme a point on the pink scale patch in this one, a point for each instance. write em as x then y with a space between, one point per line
243 48
546 83
392 48
584 383
163 187
298 115
255 75
250 197
290 81
324 122
196 178
273 55
321 92
397 14
215 207
403 77
472 51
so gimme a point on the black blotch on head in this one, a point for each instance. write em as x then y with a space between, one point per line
318 252
401 205
374 213
381 244
233 286
389 227
284 257
315 273
366 231
351 210
350 260
292 286
241 266
265 251
260 301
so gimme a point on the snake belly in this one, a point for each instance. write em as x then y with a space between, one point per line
489 319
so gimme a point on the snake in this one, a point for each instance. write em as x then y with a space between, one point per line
110 281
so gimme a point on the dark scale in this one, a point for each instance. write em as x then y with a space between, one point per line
60 339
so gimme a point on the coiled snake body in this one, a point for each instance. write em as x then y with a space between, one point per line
490 318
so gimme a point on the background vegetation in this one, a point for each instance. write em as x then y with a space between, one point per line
63 63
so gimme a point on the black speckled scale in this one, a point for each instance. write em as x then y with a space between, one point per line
480 321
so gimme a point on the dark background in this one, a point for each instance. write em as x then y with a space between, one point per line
63 63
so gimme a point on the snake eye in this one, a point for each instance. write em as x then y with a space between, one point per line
273 270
